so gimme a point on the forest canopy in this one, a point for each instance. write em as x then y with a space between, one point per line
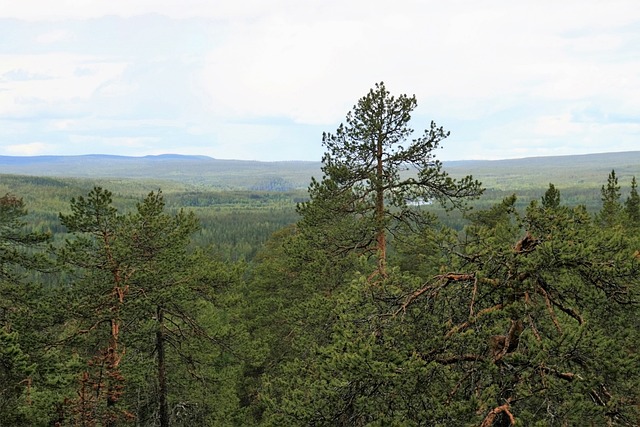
358 307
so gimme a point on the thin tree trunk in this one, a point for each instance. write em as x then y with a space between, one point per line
381 238
113 356
162 371
113 376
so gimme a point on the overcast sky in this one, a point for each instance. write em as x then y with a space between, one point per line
262 79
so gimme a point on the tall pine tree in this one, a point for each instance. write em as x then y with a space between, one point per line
375 174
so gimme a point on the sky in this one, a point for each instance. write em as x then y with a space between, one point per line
263 79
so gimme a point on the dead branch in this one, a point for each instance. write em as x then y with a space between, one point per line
503 344
527 244
568 310
534 329
547 301
599 400
567 376
596 398
491 416
473 296
545 370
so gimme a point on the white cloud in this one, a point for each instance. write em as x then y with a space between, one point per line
558 125
117 142
467 59
55 36
505 77
29 149
61 86
283 69
35 10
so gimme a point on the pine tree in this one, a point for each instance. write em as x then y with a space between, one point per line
611 208
158 242
551 198
529 312
142 306
104 277
632 205
372 171
17 243
20 254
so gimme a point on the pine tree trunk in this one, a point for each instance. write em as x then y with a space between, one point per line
162 371
113 376
381 238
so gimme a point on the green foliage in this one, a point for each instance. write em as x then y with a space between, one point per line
611 207
16 241
20 255
288 304
139 298
424 253
632 205
518 318
15 380
551 198
364 194
516 310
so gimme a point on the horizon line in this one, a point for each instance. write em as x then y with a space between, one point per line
169 154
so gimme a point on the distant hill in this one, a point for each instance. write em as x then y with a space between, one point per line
577 171
200 171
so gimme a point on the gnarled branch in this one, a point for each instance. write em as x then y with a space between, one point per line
491 416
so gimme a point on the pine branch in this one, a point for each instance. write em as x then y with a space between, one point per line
473 319
438 283
491 416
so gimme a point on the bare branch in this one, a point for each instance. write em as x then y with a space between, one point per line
491 416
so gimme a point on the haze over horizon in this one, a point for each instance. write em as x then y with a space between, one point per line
262 79
177 155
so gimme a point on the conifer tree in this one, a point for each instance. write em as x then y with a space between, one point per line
133 272
374 173
610 196
158 243
104 274
529 312
20 253
17 242
551 198
632 205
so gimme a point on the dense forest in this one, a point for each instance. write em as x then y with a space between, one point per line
390 292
